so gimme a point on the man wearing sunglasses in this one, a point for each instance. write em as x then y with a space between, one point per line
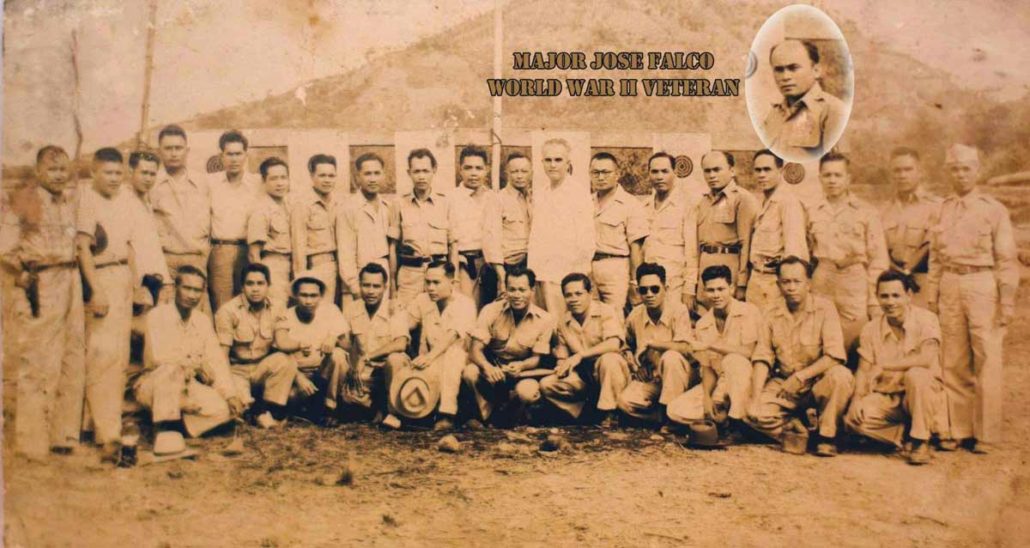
657 335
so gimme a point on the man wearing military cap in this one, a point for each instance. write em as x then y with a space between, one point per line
972 283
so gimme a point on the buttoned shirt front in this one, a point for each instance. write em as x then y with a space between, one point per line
849 231
232 204
248 333
363 231
148 258
369 333
425 225
806 128
190 344
313 226
269 224
879 344
182 208
469 209
458 316
561 239
790 342
673 325
327 323
742 327
619 220
725 218
600 323
779 229
509 341
906 225
507 225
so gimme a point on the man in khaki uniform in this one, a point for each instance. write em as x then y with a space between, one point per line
509 340
427 234
779 230
143 169
366 229
672 240
590 337
246 330
445 318
182 207
725 216
849 248
111 236
470 204
313 226
907 220
234 193
725 339
620 226
268 230
657 335
799 361
898 383
37 248
972 282
506 236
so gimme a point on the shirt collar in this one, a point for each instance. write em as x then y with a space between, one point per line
593 312
813 99
532 311
734 310
726 191
49 198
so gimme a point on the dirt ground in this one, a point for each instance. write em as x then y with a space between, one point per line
622 488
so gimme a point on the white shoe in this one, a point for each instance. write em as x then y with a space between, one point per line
169 442
392 422
267 421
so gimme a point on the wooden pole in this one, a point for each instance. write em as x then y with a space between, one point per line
143 139
495 138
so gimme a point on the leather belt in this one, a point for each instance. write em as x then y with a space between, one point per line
217 241
472 253
603 256
233 360
33 268
418 262
280 253
112 263
963 270
321 258
722 249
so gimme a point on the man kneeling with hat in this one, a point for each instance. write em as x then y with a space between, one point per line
315 336
187 375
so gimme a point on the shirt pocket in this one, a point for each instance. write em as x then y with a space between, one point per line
611 231
318 221
244 333
984 241
266 326
669 229
724 214
809 345
279 223
914 236
437 225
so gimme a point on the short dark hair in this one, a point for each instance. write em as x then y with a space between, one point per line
137 156
317 159
189 270
447 266
605 156
471 151
171 130
108 154
259 268
651 269
576 277
890 275
715 272
834 156
232 136
295 286
767 152
269 163
515 156
791 259
730 161
49 151
368 157
519 271
662 154
810 48
422 153
373 268
905 151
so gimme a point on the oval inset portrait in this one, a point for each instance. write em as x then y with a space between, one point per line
800 94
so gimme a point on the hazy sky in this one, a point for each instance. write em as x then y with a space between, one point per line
211 54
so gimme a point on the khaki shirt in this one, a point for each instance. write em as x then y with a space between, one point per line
849 232
148 259
191 344
38 227
779 230
907 228
183 212
371 333
269 224
601 323
313 228
726 219
743 327
618 222
363 231
247 334
806 128
468 216
508 341
879 344
673 234
459 317
425 225
232 204
327 323
119 231
975 230
789 343
506 236
672 325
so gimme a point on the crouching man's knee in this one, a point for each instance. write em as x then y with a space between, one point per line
528 391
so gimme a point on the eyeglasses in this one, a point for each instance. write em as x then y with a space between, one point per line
652 289
601 172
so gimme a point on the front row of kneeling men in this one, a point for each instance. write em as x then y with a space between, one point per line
741 367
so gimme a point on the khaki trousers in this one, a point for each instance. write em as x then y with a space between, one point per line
829 394
369 381
107 353
607 374
325 270
611 280
762 289
225 272
411 280
279 266
550 298
326 374
275 373
490 396
447 369
849 290
641 399
884 416
971 346
166 392
50 351
732 391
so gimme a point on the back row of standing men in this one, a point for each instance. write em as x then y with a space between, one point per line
962 250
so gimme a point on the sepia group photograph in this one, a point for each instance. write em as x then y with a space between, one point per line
515 272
